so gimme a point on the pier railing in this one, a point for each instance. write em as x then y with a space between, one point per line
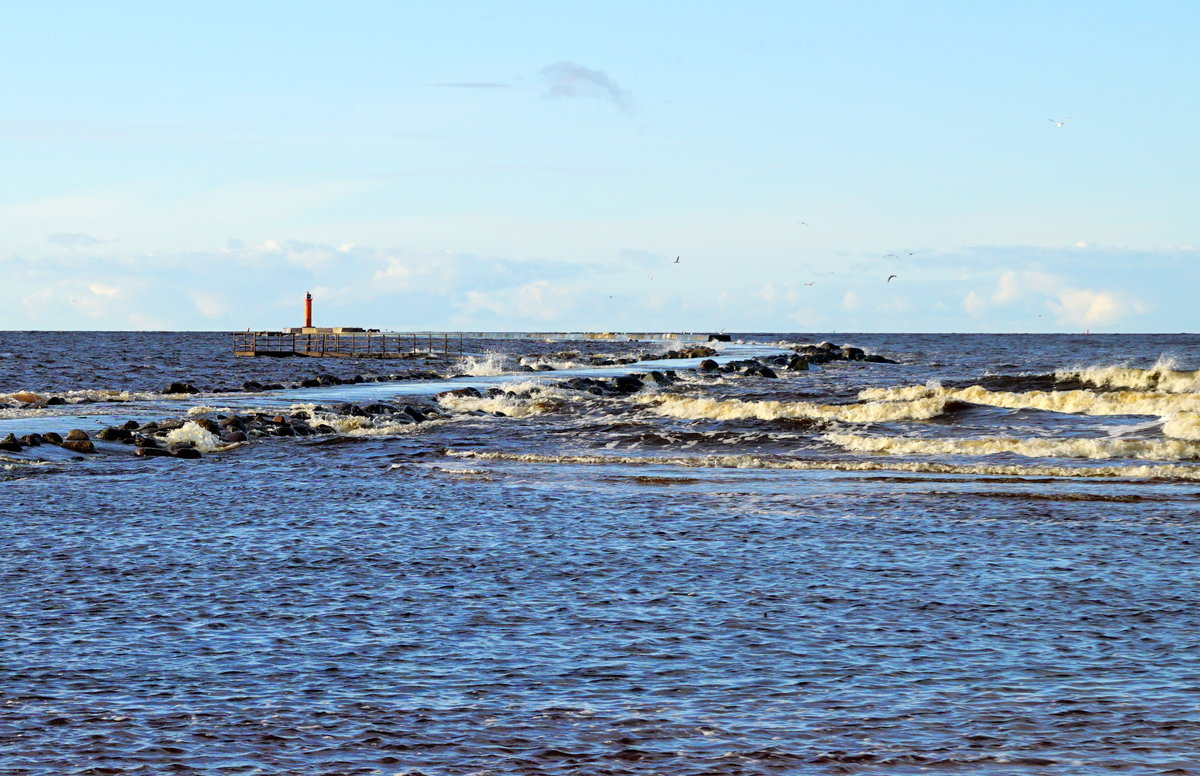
347 344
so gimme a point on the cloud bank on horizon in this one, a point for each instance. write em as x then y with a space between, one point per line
261 285
503 176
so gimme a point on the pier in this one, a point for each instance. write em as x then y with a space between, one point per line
354 342
347 342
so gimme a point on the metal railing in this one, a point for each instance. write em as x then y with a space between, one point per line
347 344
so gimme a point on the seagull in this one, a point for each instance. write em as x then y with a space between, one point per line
890 255
889 280
909 252
803 223
1058 123
809 283
676 259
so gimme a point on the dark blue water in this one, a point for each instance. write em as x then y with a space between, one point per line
645 584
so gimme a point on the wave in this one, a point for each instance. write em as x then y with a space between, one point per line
201 438
1162 377
698 408
1140 472
1079 402
488 365
1062 447
32 399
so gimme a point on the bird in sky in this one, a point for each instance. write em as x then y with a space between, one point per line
892 276
676 259
890 256
909 251
803 223
1058 123
809 283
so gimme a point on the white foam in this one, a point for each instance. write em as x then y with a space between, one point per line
204 440
1062 447
204 409
1162 377
1082 402
488 365
697 408
1157 471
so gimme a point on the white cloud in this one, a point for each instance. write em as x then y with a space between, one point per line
1085 307
209 305
851 301
974 304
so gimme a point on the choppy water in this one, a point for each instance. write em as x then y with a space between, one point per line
982 559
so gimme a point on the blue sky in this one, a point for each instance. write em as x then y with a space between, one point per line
540 166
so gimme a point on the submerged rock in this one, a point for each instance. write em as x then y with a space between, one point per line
79 445
10 444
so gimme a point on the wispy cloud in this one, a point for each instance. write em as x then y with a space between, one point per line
72 240
474 85
567 80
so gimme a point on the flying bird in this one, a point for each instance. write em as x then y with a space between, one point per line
889 280
809 283
803 223
676 259
890 255
1058 123
909 252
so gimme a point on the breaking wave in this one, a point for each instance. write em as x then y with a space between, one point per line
1079 402
1067 447
1162 377
1141 472
697 408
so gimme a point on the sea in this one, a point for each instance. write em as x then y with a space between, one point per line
601 557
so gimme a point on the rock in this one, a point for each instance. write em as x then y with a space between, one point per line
310 383
77 435
132 425
79 445
233 437
10 444
414 414
471 393
152 452
114 434
52 438
207 425
628 384
798 364
32 440
186 453
719 338
54 401
853 354
252 386
877 359
707 365
144 441
181 388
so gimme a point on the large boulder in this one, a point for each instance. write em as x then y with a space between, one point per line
178 387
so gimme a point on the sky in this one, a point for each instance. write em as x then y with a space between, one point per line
538 166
